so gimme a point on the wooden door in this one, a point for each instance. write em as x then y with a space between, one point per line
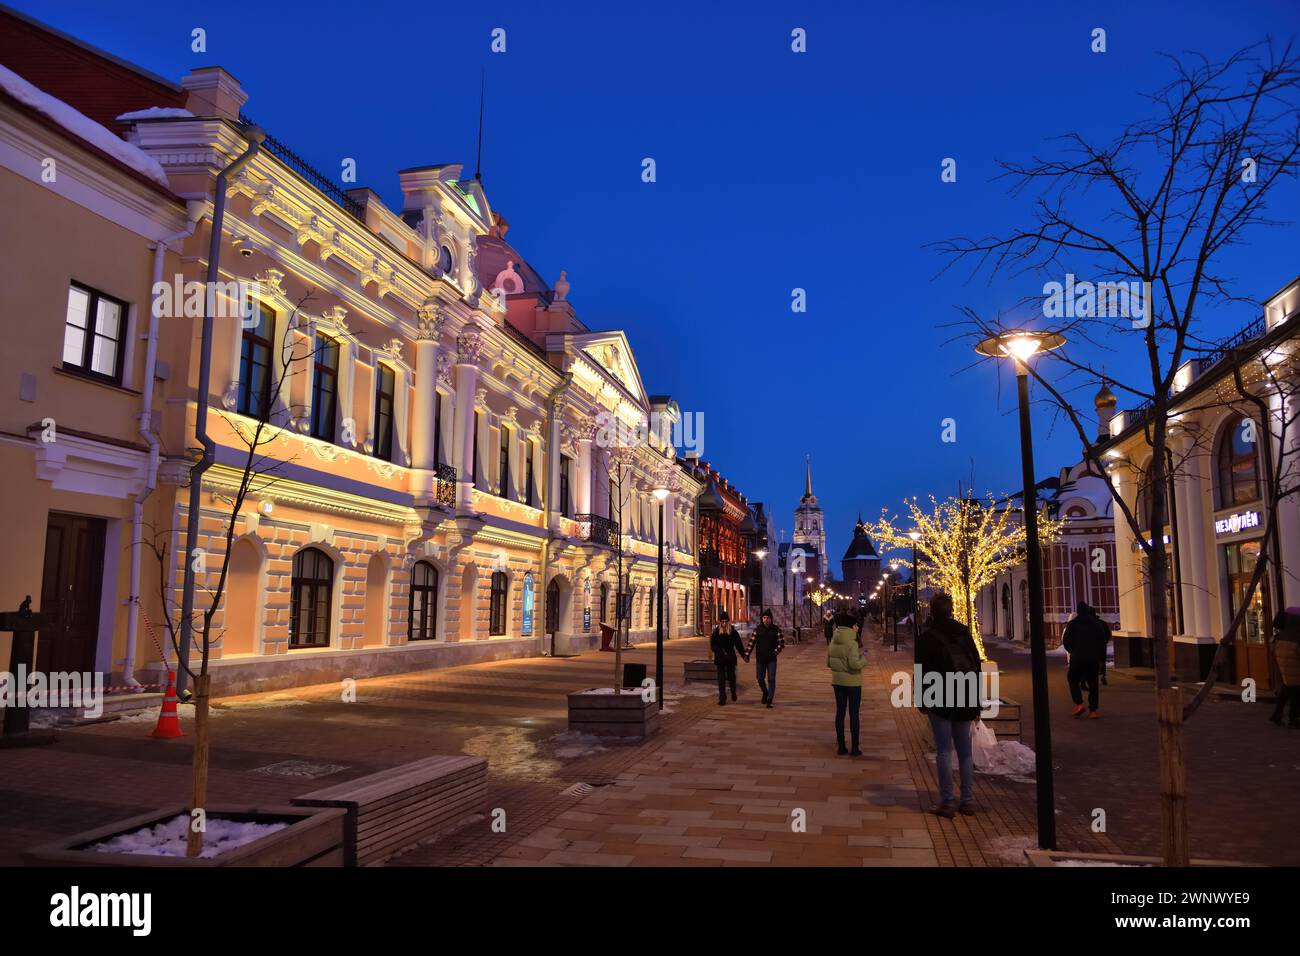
70 593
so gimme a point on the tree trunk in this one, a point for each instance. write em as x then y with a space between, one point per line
202 688
1173 778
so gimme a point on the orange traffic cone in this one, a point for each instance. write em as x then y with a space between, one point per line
169 723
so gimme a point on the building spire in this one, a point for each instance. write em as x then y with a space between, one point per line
482 89
807 476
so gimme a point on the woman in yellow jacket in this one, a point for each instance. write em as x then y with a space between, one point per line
844 658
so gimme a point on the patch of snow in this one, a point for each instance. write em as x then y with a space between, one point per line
168 838
1002 758
1095 863
155 112
1012 848
81 126
265 703
574 743
623 691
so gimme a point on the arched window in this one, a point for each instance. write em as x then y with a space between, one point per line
1076 511
1238 463
553 607
497 605
312 587
423 619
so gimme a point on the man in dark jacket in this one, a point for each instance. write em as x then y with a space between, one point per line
828 624
726 646
950 662
1085 638
1286 651
766 642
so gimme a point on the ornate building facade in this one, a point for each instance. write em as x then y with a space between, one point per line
435 478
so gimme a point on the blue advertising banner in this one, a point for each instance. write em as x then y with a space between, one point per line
528 603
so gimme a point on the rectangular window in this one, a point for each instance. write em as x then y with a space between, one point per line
473 471
529 485
564 485
385 389
324 388
254 398
437 429
503 473
93 333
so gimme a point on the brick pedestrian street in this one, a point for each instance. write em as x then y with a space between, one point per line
718 786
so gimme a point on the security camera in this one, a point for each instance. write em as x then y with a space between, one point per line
246 252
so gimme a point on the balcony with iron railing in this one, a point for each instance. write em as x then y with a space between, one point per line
598 530
444 485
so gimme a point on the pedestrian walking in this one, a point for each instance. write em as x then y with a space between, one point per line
1085 638
844 658
828 624
765 645
947 650
726 646
1286 651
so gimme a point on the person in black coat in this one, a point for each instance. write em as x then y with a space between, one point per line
828 625
726 646
948 658
766 643
1085 637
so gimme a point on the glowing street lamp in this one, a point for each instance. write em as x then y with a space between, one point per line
1020 347
916 594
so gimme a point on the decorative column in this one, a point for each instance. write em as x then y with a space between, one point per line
1288 516
584 479
1189 487
423 454
555 439
1131 620
469 351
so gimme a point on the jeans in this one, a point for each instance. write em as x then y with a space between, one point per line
1080 673
947 735
726 675
850 699
767 679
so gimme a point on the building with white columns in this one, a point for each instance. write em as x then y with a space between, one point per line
1223 454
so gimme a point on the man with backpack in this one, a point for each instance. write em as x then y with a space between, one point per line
948 658
1085 639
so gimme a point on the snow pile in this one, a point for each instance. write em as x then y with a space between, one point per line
1011 849
81 126
1002 758
168 838
574 743
155 112
1096 863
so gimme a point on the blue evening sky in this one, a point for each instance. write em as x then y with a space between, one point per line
776 170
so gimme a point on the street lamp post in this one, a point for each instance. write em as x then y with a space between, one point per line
916 593
1020 346
894 566
660 494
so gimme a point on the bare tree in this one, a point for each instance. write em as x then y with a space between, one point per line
1147 219
257 474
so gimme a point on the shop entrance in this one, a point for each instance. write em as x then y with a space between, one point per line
1250 655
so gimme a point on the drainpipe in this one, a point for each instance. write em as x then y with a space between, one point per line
254 135
551 399
146 432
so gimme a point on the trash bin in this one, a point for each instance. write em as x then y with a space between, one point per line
633 675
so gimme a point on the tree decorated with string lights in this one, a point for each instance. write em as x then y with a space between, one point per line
964 545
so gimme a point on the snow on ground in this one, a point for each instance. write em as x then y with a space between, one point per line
168 838
1095 863
692 689
1001 758
573 743
1012 848
81 126
263 703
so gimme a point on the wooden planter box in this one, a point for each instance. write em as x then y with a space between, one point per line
598 711
700 670
313 838
1006 725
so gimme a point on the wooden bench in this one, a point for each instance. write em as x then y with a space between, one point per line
396 808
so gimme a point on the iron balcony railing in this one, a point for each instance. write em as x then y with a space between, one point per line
598 529
444 485
307 171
